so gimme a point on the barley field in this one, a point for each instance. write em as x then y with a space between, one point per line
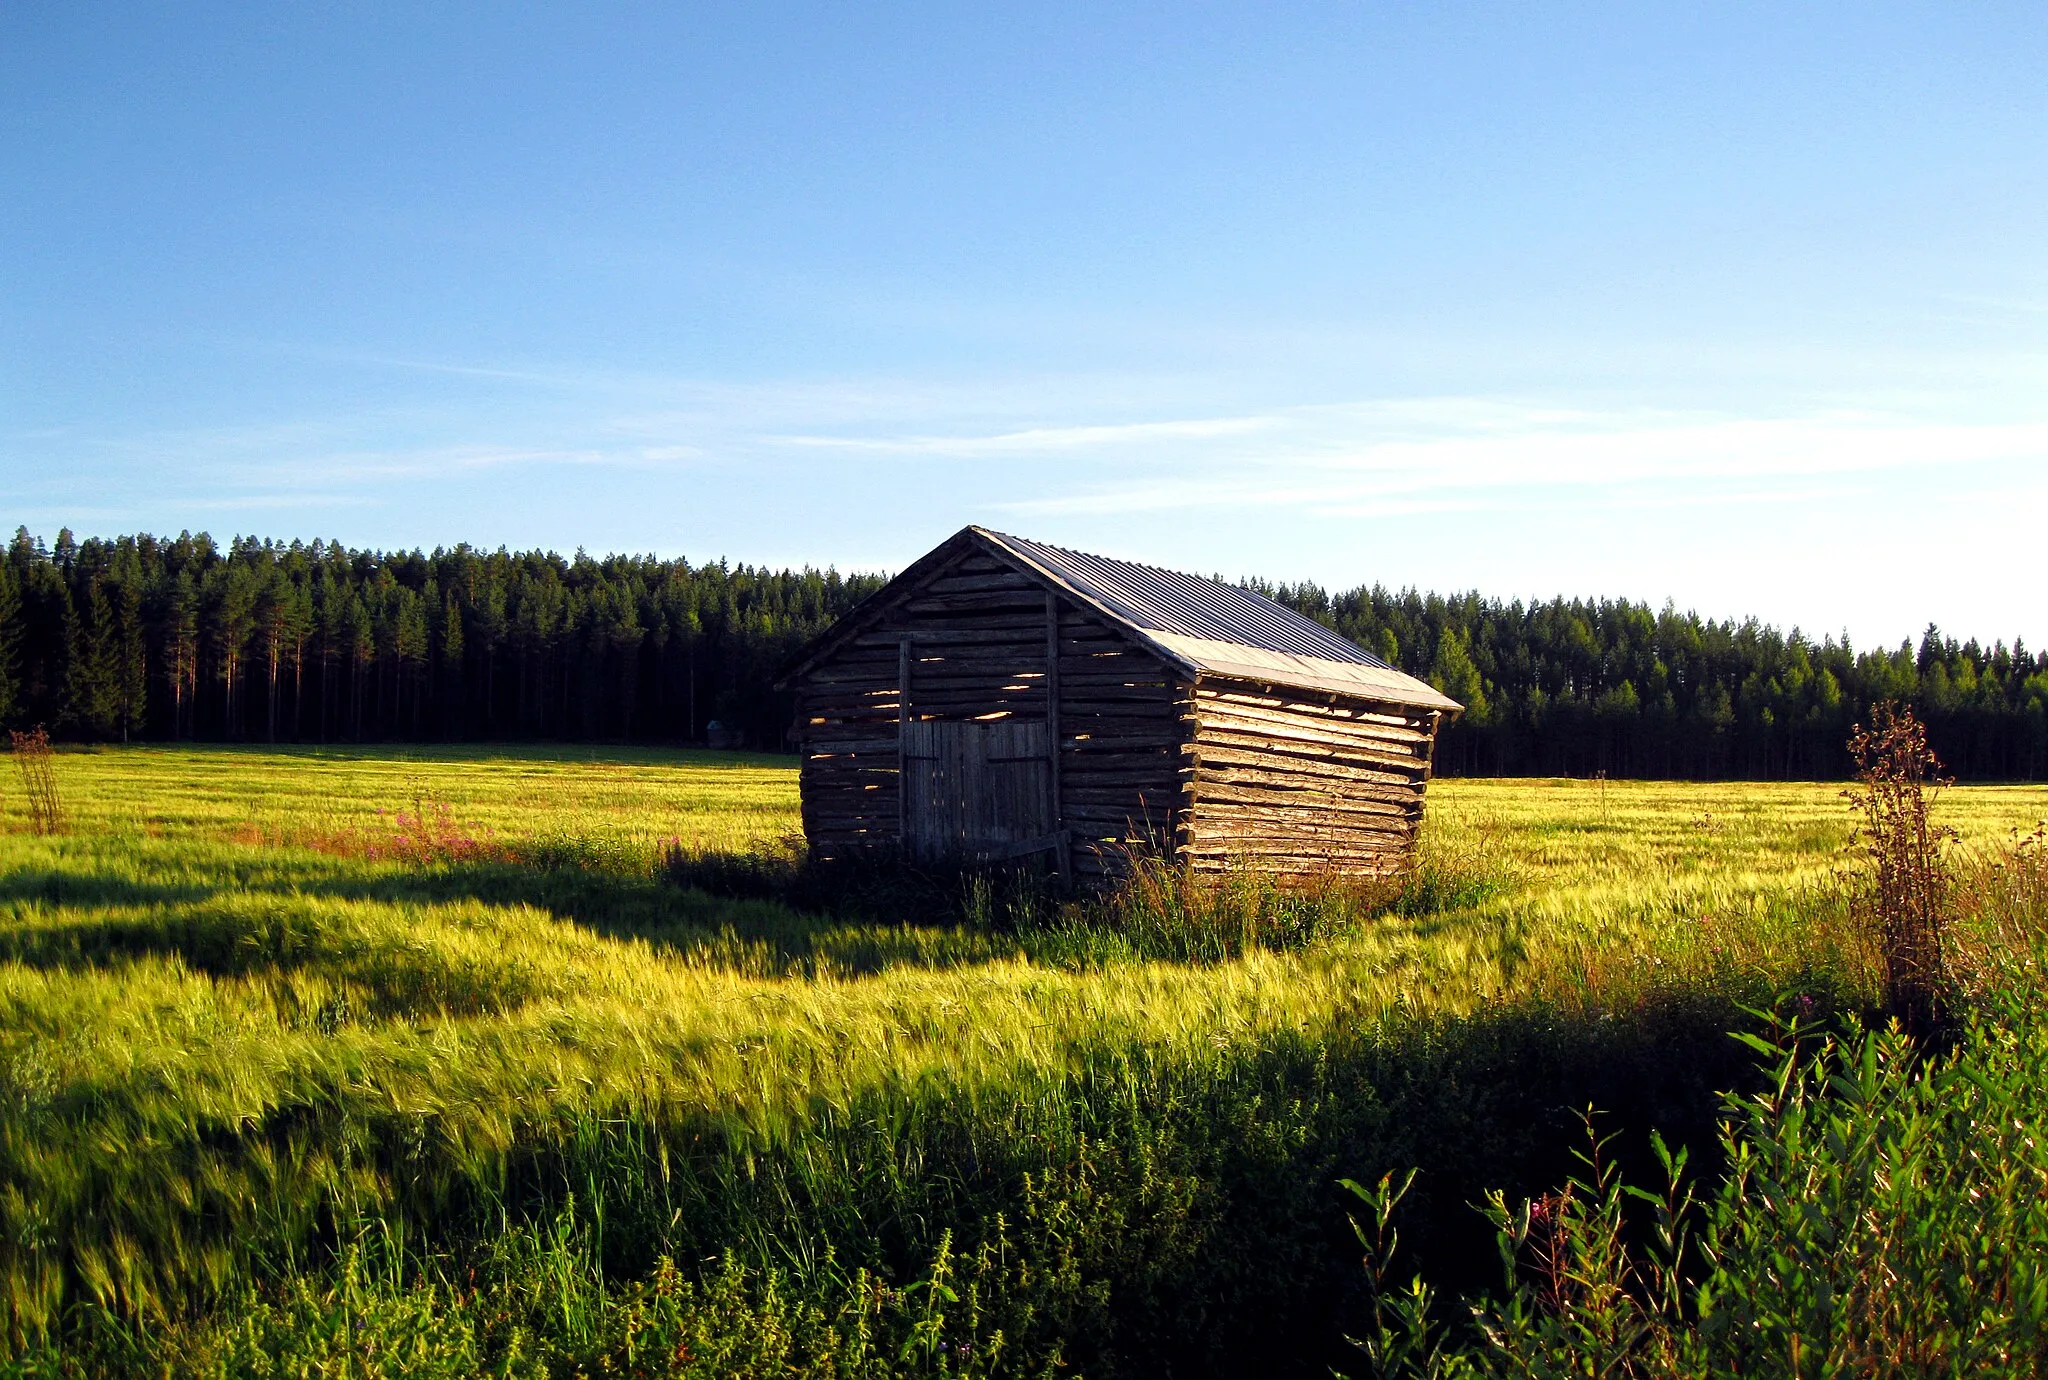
419 1062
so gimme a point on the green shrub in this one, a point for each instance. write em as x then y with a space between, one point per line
1879 1213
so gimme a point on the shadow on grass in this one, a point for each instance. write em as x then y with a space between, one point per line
197 920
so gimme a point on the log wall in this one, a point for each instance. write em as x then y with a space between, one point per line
1226 772
988 642
1293 781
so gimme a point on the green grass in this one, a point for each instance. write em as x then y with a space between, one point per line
421 1044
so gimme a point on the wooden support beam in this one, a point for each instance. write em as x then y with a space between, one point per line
902 746
1052 734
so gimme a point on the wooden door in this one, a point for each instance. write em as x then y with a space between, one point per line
978 791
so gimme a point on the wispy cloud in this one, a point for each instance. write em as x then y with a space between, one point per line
1040 440
1066 449
1463 455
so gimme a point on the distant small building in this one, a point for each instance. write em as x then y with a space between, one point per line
1002 698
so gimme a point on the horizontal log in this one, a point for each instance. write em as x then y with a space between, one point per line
1158 789
947 638
1279 827
853 700
1273 759
866 694
835 674
1118 691
1362 709
970 581
1279 822
1220 794
971 700
1158 726
1363 705
1280 846
1369 737
1213 779
990 610
1287 870
1351 709
1280 740
1291 749
970 589
851 689
950 678
1397 793
1158 804
1278 720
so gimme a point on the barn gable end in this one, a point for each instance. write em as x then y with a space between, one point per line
1060 705
982 643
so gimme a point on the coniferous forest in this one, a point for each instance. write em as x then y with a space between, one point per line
147 638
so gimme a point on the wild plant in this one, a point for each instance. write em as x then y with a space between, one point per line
37 767
1907 905
1881 1213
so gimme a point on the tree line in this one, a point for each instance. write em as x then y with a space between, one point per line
169 639
260 641
1574 687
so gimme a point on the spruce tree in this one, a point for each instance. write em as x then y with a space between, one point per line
10 645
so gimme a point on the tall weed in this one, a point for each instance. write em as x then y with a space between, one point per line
1905 903
36 766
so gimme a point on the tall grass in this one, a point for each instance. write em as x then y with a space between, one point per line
1878 1207
263 1068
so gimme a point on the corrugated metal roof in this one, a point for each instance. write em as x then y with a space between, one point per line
1221 629
1203 626
1188 605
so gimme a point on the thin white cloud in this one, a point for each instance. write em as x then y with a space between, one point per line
1332 459
1039 440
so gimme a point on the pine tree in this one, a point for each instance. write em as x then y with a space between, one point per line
91 690
10 645
130 648
228 616
453 719
178 636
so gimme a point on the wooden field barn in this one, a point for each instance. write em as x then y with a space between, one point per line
1002 699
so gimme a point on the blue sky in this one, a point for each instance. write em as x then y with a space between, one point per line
1741 306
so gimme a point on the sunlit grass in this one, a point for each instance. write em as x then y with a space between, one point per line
226 1005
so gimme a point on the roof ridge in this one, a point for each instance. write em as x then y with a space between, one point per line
1161 599
1120 560
1200 624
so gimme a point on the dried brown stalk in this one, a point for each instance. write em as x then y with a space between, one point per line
34 760
1909 904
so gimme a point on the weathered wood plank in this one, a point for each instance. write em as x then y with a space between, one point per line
1245 718
1219 796
1345 767
1291 748
1361 711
